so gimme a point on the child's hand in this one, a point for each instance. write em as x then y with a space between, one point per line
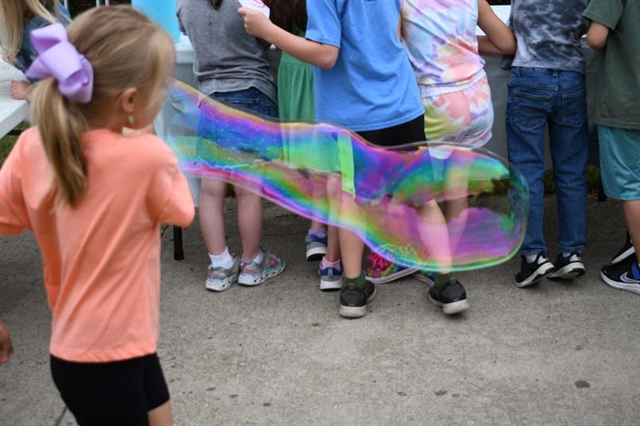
6 346
255 23
20 89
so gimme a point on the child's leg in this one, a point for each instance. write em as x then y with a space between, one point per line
530 101
528 104
211 214
435 235
249 221
619 157
161 416
351 245
631 210
473 110
569 142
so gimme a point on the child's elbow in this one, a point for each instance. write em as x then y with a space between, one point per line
509 48
326 65
595 42
327 58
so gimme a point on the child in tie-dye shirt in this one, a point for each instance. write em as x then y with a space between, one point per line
440 39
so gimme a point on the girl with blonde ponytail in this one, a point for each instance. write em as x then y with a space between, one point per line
17 19
95 201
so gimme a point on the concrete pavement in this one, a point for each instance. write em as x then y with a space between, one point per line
279 354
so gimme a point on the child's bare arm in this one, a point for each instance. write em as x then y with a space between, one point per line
597 35
499 38
318 54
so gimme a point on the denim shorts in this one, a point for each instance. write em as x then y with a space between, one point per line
620 162
227 148
250 99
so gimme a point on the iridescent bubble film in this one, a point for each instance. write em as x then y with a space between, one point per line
392 198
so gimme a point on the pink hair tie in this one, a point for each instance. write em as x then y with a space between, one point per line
60 59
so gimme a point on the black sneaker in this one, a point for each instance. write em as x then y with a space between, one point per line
622 276
354 299
625 254
452 297
568 268
531 273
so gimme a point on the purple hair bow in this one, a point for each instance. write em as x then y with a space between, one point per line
59 58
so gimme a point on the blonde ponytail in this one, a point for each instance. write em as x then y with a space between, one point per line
61 125
125 50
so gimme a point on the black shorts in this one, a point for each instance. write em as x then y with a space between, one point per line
112 393
409 132
387 178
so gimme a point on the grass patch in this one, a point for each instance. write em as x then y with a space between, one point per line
6 143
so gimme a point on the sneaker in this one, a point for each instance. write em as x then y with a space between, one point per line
330 278
452 297
316 247
353 300
568 268
622 276
383 271
425 277
220 279
625 254
252 273
531 273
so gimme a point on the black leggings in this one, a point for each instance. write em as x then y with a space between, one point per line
112 393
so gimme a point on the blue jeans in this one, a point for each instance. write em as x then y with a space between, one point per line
539 98
251 99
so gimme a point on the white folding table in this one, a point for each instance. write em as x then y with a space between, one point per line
12 112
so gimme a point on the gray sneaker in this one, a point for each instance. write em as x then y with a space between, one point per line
220 279
252 273
315 247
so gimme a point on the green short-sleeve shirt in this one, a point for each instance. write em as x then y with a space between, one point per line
617 100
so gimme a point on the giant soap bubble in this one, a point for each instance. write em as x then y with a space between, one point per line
389 197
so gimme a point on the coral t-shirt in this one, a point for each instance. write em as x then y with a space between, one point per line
101 259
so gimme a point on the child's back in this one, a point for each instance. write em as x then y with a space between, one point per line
104 251
440 36
549 33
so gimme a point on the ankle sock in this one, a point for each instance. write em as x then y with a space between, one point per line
318 232
531 257
258 258
359 281
222 260
442 279
326 264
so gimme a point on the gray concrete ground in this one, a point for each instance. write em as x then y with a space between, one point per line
279 354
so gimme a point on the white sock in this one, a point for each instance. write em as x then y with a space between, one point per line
259 257
223 260
531 257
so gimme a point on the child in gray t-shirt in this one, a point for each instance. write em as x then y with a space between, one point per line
547 92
